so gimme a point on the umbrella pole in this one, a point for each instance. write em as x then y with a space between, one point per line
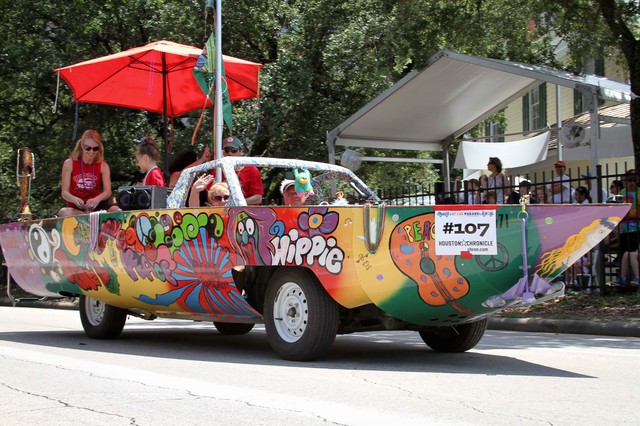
164 118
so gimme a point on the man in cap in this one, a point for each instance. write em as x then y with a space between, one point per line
560 186
288 191
249 176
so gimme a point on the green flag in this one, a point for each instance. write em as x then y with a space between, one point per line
205 73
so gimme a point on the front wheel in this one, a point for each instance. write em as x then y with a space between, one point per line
99 320
455 338
301 319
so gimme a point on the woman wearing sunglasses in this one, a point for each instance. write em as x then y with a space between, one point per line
86 178
217 194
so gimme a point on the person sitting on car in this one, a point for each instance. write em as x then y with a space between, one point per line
249 176
147 156
288 191
217 192
86 178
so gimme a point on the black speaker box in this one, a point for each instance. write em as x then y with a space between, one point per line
142 197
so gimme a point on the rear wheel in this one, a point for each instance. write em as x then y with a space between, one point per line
301 319
233 329
455 338
99 320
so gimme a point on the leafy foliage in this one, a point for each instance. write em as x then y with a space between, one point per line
323 60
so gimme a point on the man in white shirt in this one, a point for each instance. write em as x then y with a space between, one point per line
560 188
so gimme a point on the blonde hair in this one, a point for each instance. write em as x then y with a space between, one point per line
216 188
94 136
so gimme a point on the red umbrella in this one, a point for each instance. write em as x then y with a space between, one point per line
157 77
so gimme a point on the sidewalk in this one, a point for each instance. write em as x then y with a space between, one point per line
541 325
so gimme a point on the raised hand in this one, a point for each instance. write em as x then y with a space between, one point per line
202 183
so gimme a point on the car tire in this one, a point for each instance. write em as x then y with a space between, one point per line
455 338
301 319
233 329
99 320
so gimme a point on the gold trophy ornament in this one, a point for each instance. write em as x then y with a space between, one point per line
25 171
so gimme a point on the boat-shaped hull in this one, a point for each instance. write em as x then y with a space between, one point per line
193 263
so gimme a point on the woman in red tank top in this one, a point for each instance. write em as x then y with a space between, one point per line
86 179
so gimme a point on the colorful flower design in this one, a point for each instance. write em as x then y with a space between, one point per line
203 280
318 221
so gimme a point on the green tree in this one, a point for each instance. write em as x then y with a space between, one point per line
591 27
323 60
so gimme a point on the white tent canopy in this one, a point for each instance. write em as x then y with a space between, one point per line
427 110
474 155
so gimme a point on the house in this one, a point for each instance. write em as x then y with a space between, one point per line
548 104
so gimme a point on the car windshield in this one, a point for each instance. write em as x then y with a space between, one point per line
326 178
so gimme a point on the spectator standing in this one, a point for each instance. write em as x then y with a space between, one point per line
628 237
582 267
560 188
473 189
484 184
541 195
490 198
524 188
614 191
496 181
581 195
630 261
588 179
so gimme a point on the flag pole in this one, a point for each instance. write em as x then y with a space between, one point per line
218 93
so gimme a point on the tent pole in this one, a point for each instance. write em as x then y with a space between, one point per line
446 167
595 139
559 118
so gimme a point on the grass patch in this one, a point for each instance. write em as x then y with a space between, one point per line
577 305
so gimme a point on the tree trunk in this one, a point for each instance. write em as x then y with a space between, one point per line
613 16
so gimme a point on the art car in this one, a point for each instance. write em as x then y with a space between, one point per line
310 272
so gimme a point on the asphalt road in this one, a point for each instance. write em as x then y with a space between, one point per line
177 372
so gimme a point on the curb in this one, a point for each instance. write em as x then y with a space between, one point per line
611 328
36 303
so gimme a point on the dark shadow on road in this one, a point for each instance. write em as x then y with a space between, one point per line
381 351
